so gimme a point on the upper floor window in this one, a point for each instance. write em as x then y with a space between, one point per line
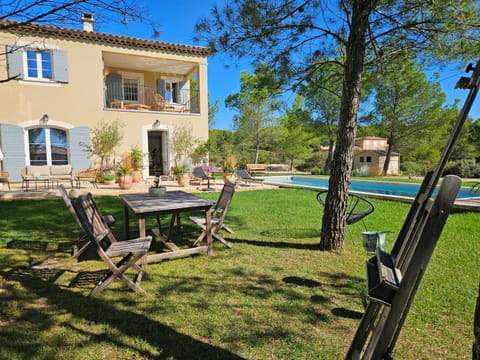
130 89
32 62
39 64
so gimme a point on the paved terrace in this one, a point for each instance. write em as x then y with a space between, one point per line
17 192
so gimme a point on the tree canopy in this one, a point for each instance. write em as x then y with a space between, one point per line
287 35
68 12
255 103
405 104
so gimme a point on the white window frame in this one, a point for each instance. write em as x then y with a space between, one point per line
136 77
39 63
48 143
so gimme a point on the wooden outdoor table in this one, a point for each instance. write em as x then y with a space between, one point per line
174 203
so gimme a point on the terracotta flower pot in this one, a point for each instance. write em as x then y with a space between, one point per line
183 179
125 182
229 178
137 176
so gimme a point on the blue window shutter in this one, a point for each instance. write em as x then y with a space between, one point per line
114 87
12 141
15 62
161 87
79 143
60 66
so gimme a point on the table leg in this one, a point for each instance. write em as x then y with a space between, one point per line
127 222
208 229
142 231
172 224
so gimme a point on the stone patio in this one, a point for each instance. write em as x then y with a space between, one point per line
17 192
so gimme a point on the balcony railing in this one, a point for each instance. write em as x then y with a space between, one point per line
137 97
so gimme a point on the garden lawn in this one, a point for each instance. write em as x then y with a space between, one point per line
274 296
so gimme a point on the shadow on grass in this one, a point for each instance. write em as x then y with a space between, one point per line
277 244
169 343
291 233
29 245
346 313
301 281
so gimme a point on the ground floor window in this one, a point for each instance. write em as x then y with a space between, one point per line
47 146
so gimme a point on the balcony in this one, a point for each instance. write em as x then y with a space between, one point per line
147 98
138 83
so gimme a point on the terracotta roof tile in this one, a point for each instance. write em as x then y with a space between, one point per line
100 38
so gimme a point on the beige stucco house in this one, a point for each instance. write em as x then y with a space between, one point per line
64 82
370 155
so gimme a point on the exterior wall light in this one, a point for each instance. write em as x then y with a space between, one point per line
44 120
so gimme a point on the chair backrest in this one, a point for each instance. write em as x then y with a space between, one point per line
88 173
92 221
357 206
243 174
221 206
198 172
68 203
159 101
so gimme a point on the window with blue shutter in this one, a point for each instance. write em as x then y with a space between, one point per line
40 64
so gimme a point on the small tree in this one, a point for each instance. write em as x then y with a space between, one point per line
184 143
255 103
105 138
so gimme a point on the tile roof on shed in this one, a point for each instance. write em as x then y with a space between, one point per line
101 38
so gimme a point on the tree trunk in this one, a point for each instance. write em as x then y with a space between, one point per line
328 161
476 329
334 216
388 156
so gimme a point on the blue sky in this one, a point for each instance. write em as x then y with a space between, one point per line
177 18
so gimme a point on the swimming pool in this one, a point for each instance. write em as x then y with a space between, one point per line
379 188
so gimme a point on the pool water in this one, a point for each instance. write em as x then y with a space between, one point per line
407 190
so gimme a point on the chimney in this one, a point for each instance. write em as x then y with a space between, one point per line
87 20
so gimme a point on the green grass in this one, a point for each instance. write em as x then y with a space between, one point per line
274 296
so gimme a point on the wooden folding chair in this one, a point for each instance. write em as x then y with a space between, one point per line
129 251
219 212
81 244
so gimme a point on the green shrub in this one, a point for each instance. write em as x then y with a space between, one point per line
314 164
413 168
467 168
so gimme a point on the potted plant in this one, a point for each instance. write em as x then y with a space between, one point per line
108 179
136 156
229 167
157 189
182 172
125 173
